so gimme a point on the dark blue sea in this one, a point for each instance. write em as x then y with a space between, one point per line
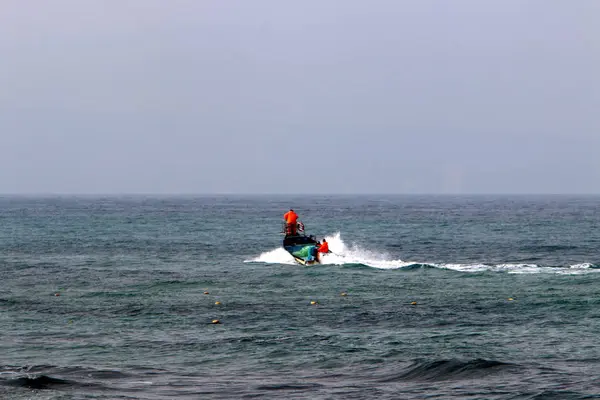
422 297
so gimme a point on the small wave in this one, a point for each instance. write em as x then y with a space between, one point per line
449 369
290 386
548 248
44 376
356 266
107 374
407 267
39 382
557 395
414 266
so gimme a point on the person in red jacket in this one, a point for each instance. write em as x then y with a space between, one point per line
324 248
291 220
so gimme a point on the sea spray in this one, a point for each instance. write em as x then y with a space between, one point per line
343 254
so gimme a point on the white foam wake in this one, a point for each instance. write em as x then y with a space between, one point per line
342 254
521 268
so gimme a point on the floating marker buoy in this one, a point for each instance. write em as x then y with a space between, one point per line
414 303
217 303
313 303
216 321
343 294
57 294
510 299
206 293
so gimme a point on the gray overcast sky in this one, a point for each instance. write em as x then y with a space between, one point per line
224 96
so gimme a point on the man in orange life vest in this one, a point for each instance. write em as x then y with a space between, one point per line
291 219
324 247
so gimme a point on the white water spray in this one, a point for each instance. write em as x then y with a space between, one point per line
342 254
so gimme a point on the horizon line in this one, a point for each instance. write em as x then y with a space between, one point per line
241 194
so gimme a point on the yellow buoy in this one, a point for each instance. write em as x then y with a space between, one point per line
313 302
217 303
343 294
510 299
414 303
216 321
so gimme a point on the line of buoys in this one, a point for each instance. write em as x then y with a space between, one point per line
312 302
217 303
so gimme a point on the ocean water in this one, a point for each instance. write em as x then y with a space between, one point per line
466 297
